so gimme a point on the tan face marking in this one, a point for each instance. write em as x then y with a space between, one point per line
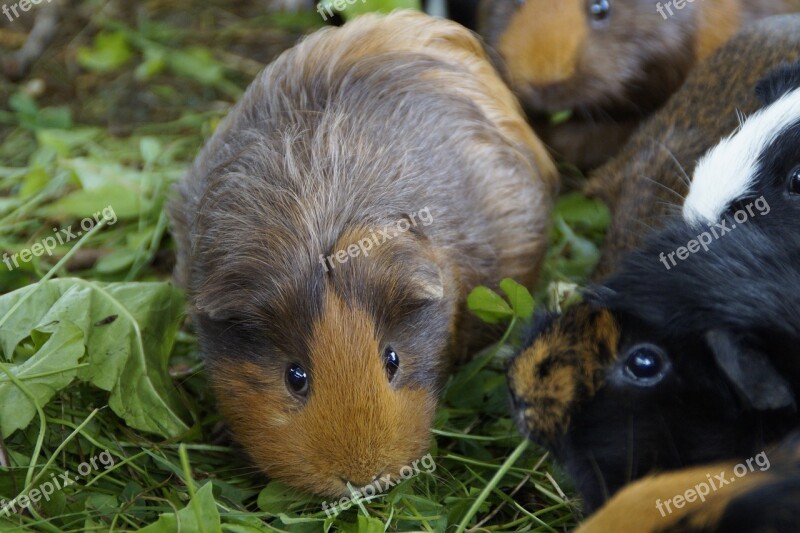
562 369
354 426
543 41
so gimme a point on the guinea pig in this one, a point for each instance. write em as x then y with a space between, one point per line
760 494
688 353
331 229
610 63
646 182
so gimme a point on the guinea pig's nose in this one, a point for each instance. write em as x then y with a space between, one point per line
361 482
517 402
514 401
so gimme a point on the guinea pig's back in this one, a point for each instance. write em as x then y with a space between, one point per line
384 115
647 182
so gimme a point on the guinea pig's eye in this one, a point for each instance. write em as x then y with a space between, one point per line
297 379
599 9
391 362
794 181
646 364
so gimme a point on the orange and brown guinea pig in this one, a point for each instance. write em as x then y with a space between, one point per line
760 494
610 63
329 232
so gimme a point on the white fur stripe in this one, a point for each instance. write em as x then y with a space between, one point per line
729 170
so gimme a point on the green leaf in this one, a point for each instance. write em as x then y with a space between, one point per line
50 369
33 182
23 104
116 261
85 203
488 305
200 516
368 524
577 210
64 141
243 524
109 51
95 173
155 61
127 329
560 117
276 498
197 64
520 297
150 147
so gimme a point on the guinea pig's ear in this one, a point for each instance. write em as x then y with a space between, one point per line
755 378
779 82
426 282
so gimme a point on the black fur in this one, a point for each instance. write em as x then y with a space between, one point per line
465 12
747 285
728 320
784 79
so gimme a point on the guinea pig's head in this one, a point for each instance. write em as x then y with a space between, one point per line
327 349
573 54
687 353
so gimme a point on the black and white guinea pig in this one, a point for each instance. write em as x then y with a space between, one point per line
690 352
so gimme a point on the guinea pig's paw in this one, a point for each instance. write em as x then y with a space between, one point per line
563 367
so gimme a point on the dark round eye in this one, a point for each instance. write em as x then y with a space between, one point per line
794 181
646 364
391 361
599 9
297 379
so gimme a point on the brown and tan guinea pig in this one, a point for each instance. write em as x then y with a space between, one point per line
331 229
760 494
610 63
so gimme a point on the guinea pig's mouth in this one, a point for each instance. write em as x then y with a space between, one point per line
522 422
528 417
545 101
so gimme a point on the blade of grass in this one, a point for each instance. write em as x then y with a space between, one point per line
501 472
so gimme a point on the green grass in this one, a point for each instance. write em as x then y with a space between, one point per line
128 100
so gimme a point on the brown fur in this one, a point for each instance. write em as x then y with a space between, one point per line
634 508
543 54
717 22
353 129
647 181
561 369
611 74
374 444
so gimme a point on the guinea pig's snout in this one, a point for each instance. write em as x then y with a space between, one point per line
358 480
544 395
550 379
